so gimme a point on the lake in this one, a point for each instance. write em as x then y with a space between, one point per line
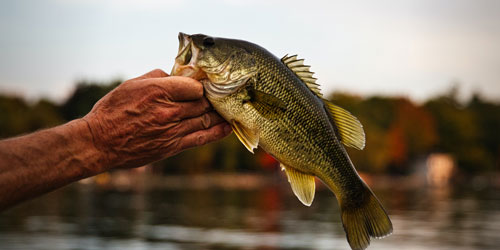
85 216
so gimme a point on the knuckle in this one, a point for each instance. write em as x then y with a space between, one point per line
201 140
125 83
206 121
199 88
205 104
172 130
175 113
220 132
195 86
158 71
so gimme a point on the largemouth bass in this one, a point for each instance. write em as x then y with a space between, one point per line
277 105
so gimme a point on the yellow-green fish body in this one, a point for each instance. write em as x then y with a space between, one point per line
276 104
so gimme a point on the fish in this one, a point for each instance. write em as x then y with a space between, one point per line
277 105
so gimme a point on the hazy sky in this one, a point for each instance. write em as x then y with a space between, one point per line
412 48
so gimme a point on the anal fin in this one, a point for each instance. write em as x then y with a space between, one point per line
247 137
303 185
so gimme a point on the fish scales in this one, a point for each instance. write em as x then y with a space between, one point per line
315 138
275 104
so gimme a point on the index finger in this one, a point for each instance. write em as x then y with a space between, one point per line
180 88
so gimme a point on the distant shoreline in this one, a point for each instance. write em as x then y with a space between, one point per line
133 180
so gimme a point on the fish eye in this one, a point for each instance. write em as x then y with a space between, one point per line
208 41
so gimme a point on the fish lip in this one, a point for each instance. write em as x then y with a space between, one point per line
205 74
184 39
189 69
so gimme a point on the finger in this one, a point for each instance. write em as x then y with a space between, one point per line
168 112
175 88
179 88
156 73
202 122
205 136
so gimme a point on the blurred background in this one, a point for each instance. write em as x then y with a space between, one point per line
421 76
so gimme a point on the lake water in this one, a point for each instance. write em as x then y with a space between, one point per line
269 217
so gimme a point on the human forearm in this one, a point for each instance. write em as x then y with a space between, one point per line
143 120
40 162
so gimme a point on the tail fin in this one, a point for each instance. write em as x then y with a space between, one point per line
364 219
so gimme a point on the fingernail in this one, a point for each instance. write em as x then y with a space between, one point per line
227 129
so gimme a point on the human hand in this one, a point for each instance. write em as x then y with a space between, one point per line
152 117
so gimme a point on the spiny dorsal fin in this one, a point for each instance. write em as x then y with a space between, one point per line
303 185
350 129
247 137
302 71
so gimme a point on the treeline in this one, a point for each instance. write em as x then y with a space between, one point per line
398 131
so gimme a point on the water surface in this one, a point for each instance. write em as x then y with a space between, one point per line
269 217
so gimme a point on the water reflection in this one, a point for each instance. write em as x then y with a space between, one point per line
85 217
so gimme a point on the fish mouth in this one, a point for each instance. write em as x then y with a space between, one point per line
217 80
186 60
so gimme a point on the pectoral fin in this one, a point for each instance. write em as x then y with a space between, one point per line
303 185
265 104
247 137
264 98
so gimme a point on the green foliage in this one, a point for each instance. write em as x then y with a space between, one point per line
18 117
469 132
84 97
398 131
14 116
392 139
487 116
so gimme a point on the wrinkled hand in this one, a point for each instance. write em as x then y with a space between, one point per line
152 117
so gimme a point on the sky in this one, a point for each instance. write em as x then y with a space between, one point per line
418 49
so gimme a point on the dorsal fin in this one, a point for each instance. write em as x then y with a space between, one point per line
350 129
302 71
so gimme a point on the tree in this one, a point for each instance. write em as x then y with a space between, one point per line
84 97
